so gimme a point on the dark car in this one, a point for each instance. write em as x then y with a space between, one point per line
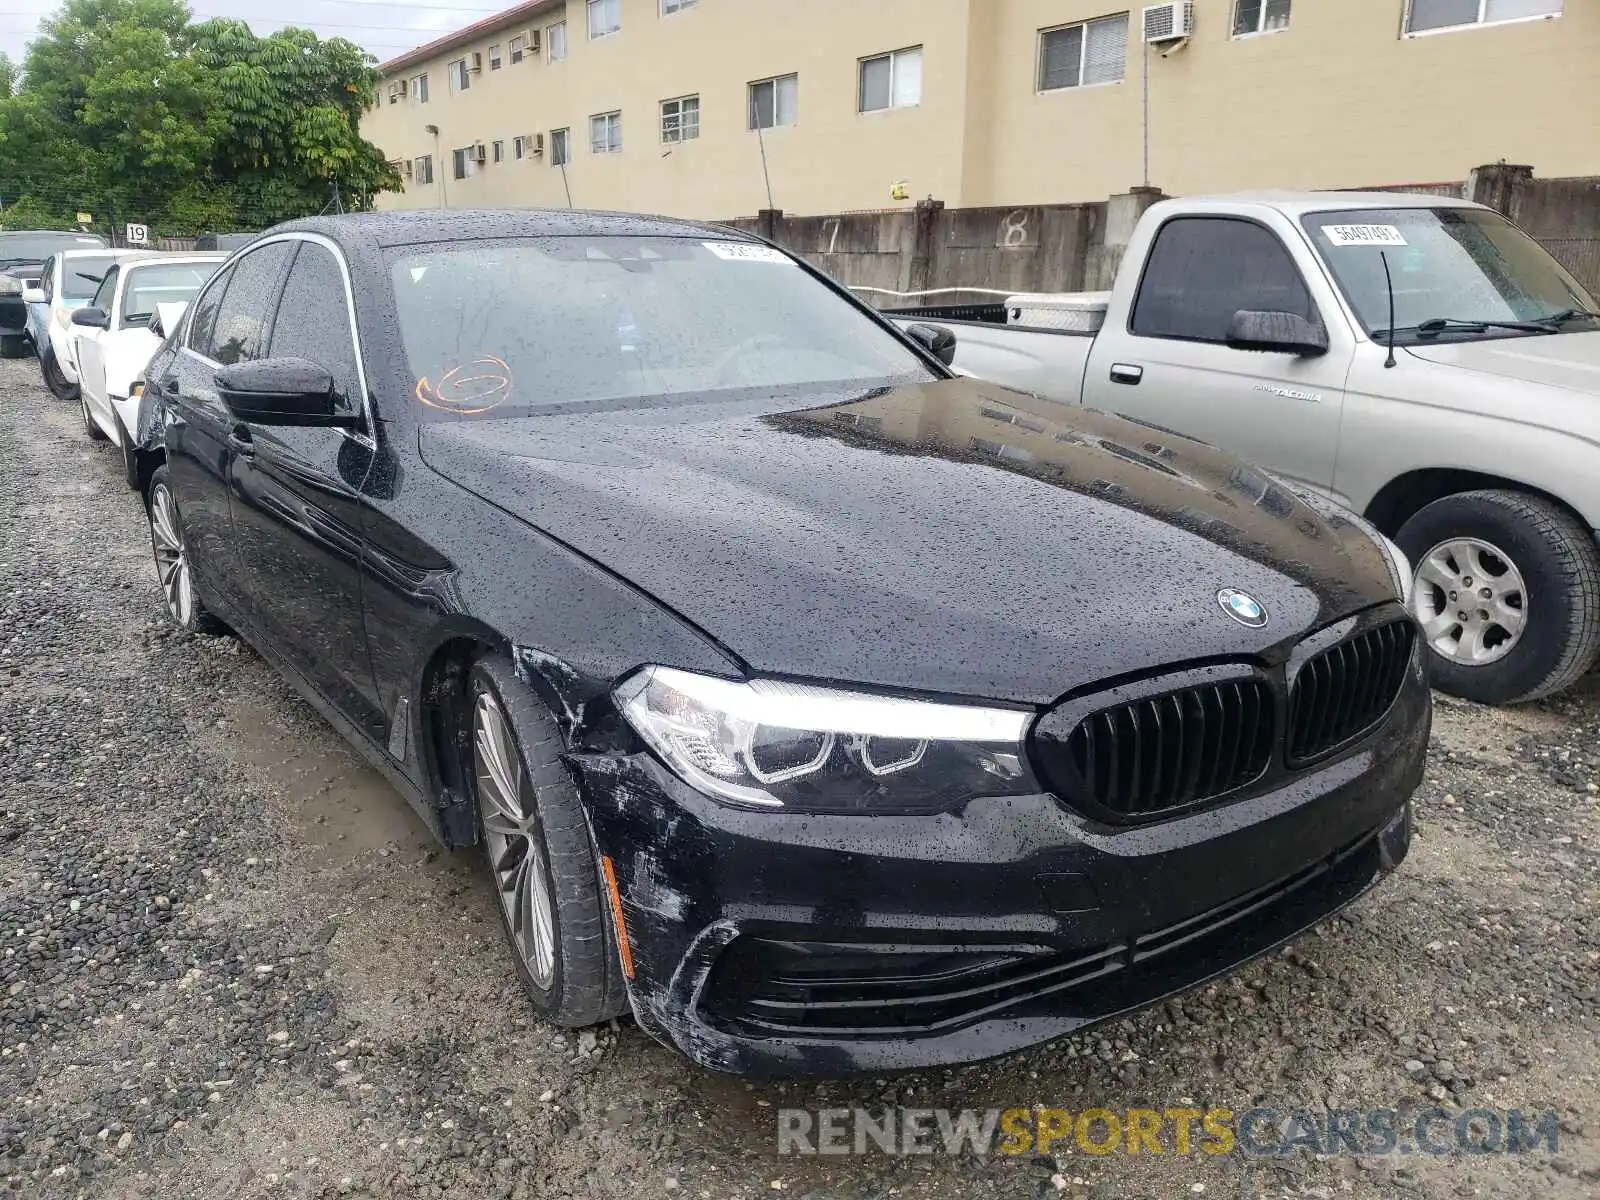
835 713
22 257
224 241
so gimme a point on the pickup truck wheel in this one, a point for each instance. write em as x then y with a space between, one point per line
1507 594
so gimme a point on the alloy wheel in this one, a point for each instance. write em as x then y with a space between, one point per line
511 832
1471 601
172 560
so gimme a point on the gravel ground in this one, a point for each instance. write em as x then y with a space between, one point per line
232 963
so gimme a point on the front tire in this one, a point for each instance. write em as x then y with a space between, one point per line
540 859
184 606
1507 594
55 379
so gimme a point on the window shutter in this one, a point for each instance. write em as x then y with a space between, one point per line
1060 56
908 78
1107 51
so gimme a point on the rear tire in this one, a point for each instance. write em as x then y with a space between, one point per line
1543 575
60 386
90 426
182 599
14 345
540 839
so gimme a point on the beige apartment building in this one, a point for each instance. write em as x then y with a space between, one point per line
720 108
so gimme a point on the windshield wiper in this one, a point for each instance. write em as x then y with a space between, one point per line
1557 320
1434 326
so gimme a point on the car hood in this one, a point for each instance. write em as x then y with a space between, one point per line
1564 360
952 537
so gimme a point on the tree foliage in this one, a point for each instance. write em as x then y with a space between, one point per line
131 111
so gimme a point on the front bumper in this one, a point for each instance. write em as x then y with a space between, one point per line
777 944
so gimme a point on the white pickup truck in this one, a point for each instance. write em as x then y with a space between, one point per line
1458 409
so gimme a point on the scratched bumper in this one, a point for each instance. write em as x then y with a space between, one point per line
771 944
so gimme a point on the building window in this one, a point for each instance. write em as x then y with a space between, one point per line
605 17
680 119
1424 16
774 102
395 92
461 162
494 54
605 133
419 88
460 76
556 39
1083 55
498 153
891 80
422 169
518 49
1260 16
560 153
519 147
668 7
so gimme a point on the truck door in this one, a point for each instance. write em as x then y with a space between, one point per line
1166 359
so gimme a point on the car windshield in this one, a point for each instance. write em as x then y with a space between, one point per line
167 283
36 247
517 325
80 277
1455 270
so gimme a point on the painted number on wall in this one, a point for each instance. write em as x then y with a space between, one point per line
1014 231
830 228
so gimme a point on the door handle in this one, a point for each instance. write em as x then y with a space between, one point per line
241 442
1127 373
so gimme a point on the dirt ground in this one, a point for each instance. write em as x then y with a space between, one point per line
233 964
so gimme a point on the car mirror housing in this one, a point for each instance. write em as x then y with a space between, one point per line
936 340
1276 333
95 318
34 295
282 391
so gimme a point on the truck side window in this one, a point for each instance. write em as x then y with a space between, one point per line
1202 270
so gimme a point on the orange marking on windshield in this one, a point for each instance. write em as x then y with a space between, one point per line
468 395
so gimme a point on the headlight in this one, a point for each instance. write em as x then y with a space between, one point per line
10 286
1399 568
770 744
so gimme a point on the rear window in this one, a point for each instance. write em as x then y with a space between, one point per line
519 325
36 247
79 278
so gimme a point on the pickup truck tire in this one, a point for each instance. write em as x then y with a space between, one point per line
1559 565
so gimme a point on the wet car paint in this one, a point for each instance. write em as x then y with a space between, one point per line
924 555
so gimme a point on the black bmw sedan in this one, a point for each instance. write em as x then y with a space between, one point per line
830 712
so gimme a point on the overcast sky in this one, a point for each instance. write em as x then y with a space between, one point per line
384 27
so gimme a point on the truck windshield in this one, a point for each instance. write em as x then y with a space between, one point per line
512 326
1456 271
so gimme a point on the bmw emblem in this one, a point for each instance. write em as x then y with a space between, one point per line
1243 608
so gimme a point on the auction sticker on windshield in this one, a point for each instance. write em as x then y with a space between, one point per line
1364 235
745 252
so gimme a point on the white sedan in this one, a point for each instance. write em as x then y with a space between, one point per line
67 281
137 304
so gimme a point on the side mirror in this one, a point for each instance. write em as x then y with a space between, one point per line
1276 333
936 340
281 391
34 295
96 318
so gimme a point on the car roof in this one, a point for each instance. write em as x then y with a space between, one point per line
422 226
198 256
120 254
1299 203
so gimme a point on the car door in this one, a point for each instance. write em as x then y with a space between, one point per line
296 494
227 324
90 350
1171 365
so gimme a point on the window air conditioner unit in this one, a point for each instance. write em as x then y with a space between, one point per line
477 60
480 152
536 143
531 41
1168 22
400 86
406 169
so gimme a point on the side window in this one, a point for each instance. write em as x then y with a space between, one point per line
242 320
1202 270
103 293
313 321
204 317
47 278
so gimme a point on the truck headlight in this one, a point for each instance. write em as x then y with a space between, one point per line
1399 568
770 744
